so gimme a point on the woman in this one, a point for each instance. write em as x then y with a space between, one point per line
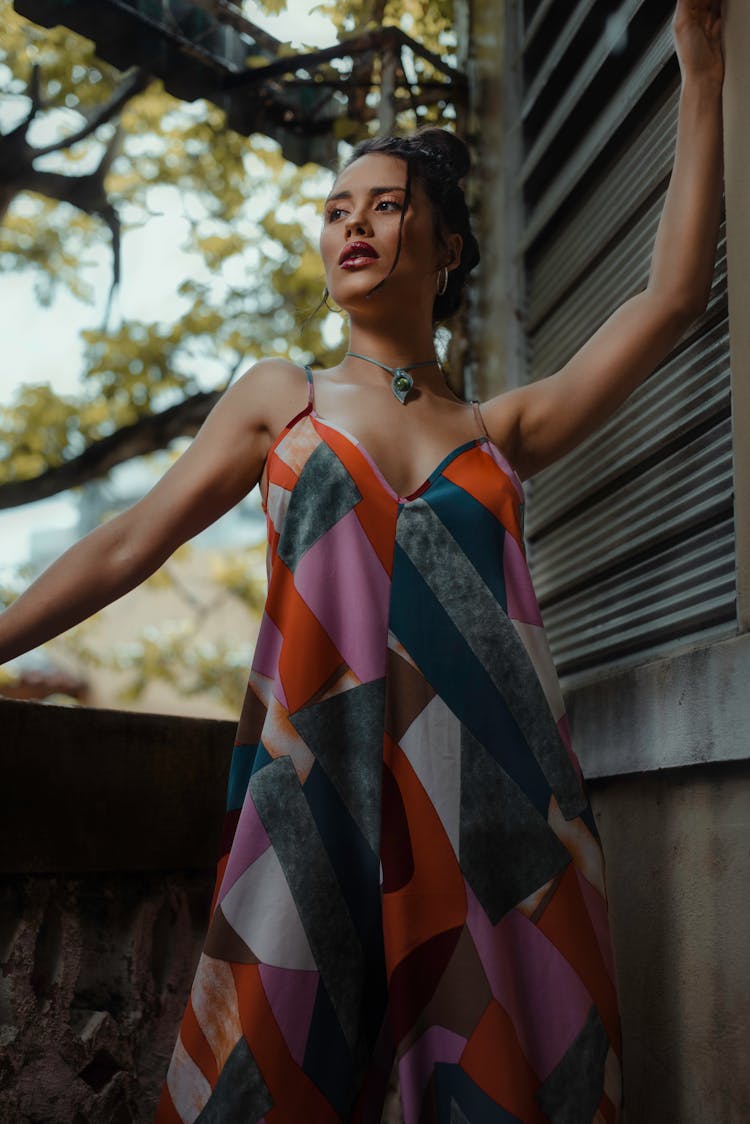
411 874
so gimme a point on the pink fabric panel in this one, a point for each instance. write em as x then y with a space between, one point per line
522 602
499 459
535 984
291 993
266 655
343 583
267 648
415 1068
597 911
250 841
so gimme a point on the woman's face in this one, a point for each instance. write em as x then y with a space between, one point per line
365 205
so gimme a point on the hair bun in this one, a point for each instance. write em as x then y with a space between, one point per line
444 148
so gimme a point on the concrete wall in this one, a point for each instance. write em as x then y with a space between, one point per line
96 971
677 844
110 835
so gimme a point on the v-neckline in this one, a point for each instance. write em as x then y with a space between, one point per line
426 483
497 454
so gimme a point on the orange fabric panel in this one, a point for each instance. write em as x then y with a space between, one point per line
166 1113
434 899
301 677
566 923
279 472
296 1097
196 1044
221 866
377 511
494 1060
481 477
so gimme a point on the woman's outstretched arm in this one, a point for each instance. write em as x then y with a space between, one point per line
547 419
221 465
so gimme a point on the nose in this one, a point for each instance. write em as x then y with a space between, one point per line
357 223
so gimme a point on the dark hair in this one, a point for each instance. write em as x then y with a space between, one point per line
438 159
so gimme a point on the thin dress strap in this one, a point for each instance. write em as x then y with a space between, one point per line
480 419
310 387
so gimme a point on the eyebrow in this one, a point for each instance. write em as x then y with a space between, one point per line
373 191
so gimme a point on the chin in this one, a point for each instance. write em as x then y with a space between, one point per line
354 296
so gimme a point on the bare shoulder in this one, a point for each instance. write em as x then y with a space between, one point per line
502 415
270 392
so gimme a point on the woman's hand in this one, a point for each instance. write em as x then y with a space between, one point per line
696 25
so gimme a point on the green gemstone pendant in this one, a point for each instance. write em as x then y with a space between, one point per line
401 383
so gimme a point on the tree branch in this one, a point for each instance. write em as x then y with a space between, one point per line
379 39
147 435
85 192
134 83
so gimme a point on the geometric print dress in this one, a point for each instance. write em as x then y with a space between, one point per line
411 874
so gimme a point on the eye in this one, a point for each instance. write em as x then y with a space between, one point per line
391 203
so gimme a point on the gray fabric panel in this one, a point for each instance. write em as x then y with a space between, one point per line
240 1096
572 1091
287 818
506 849
461 591
323 494
345 732
457 1116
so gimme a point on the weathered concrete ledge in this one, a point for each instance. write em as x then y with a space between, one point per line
108 790
110 836
688 709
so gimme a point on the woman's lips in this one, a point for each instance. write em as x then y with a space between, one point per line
358 254
357 262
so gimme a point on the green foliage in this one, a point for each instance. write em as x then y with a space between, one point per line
50 238
426 20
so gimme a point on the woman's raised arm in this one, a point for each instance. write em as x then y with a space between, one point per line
547 419
221 465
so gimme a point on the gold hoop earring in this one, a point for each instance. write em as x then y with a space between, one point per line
325 302
441 288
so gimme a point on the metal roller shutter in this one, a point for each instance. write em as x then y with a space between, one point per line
631 536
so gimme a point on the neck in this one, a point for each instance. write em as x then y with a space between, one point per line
396 349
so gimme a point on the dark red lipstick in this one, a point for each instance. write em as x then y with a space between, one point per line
357 253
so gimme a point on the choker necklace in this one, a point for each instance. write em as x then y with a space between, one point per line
402 382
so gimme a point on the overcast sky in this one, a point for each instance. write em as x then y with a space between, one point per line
44 344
